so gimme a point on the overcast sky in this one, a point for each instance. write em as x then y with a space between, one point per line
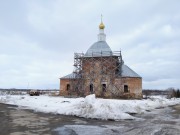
38 39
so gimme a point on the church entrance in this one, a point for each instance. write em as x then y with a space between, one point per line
91 88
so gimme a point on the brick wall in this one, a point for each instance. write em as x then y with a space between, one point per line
98 71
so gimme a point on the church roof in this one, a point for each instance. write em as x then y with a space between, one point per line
100 48
69 76
126 72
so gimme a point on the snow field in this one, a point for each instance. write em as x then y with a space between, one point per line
88 107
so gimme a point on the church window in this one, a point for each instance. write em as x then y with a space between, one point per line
125 88
91 88
68 87
104 87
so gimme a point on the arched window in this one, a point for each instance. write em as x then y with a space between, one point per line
104 87
68 87
91 88
125 88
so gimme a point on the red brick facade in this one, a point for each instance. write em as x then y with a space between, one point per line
100 77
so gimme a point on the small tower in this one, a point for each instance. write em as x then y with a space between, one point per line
101 35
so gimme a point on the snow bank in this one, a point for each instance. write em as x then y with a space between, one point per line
88 107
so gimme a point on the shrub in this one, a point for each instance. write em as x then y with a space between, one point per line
174 93
178 93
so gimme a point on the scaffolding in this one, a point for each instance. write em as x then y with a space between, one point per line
95 68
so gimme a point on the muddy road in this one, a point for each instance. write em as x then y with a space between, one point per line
20 121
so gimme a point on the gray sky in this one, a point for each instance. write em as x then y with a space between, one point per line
38 39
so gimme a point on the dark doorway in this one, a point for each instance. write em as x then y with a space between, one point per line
125 88
68 87
104 87
91 88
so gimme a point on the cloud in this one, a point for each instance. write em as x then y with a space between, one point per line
38 39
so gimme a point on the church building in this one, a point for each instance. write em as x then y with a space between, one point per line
102 72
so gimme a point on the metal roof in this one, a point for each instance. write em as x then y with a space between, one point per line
100 48
69 76
126 72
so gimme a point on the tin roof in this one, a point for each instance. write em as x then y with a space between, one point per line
100 48
69 76
126 72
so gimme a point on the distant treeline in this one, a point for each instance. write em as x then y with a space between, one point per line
27 91
175 93
155 92
14 89
170 92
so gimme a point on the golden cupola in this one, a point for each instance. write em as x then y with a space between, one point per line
101 25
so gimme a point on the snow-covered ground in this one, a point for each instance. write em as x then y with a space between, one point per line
88 107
